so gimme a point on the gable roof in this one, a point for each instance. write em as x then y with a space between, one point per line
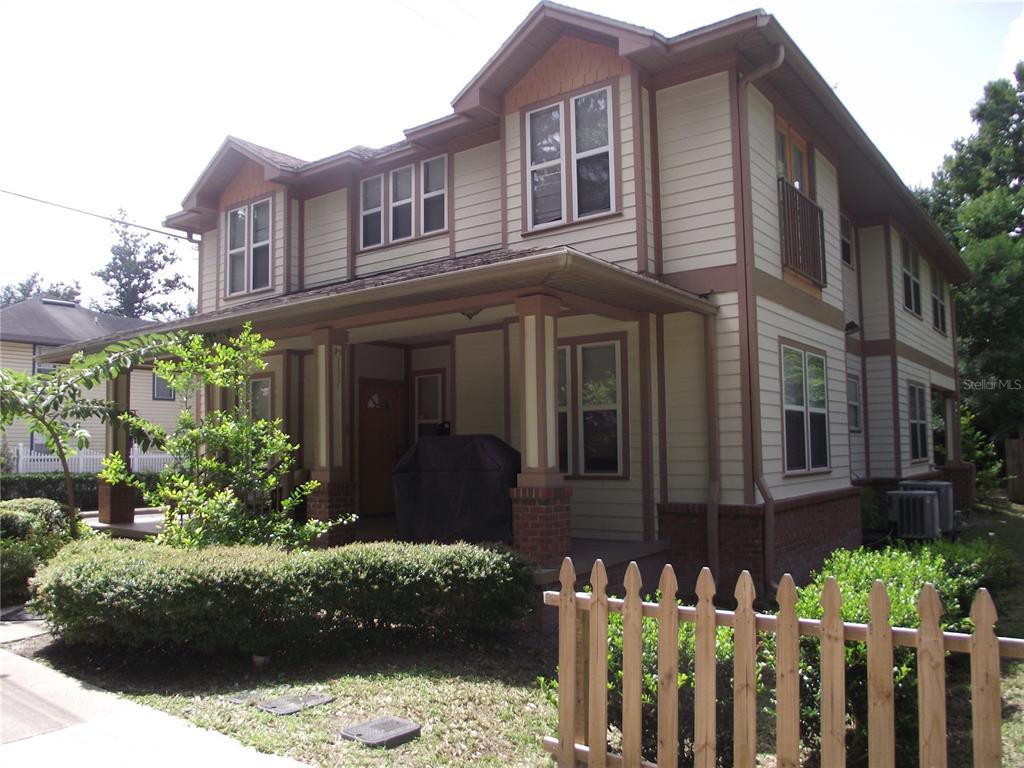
41 320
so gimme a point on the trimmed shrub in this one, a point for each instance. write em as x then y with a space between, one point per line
259 599
50 485
15 525
45 512
19 563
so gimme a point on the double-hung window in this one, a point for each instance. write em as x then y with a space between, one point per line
259 399
938 302
371 212
401 203
600 406
805 410
434 194
918 422
590 164
853 402
161 389
846 240
911 277
249 247
404 203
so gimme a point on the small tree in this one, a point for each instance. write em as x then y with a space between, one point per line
57 403
222 486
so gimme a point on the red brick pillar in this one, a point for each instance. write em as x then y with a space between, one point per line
332 500
116 503
541 522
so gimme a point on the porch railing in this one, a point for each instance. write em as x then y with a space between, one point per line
802 231
583 686
87 461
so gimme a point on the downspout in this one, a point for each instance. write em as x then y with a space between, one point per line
756 457
714 451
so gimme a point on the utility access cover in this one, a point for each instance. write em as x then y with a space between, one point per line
289 705
382 732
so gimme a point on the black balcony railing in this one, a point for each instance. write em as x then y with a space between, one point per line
802 230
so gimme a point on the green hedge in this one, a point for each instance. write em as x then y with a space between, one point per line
135 595
31 532
50 485
16 525
43 513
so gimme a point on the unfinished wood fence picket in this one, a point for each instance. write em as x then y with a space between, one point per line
583 677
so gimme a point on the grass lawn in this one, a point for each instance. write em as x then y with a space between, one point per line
477 706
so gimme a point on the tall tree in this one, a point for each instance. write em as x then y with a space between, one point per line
33 286
977 197
139 278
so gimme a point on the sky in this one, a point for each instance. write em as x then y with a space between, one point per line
107 105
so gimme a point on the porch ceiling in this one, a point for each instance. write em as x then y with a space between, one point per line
495 278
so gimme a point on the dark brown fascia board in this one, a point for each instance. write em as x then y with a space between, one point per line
272 172
541 269
946 254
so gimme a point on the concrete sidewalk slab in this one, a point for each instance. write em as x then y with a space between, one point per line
48 718
12 631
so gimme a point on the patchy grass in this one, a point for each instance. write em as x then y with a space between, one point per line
1005 524
477 706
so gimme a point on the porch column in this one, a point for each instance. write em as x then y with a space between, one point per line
117 502
336 494
541 502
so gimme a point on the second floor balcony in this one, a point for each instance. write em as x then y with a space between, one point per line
802 233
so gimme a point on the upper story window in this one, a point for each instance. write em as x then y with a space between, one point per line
412 201
591 165
161 389
790 156
938 302
805 410
846 239
249 247
801 221
918 421
911 276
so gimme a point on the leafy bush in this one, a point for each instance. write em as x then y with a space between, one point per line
31 532
50 485
15 525
19 563
261 599
45 512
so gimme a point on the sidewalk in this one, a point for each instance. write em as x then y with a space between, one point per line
48 718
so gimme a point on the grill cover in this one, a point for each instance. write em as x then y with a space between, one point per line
455 488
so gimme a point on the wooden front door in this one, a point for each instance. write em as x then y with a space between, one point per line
382 441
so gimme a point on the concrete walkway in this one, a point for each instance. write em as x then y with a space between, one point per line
48 718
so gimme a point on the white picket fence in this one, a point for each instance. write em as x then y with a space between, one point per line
89 461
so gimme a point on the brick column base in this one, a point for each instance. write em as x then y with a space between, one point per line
962 476
116 503
333 499
541 522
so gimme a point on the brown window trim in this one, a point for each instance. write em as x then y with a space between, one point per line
414 375
565 99
807 472
572 343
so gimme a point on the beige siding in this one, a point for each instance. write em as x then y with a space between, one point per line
685 407
851 306
879 421
293 245
326 239
827 192
645 102
613 239
477 198
480 383
162 412
277 256
913 373
776 322
695 157
208 258
858 465
730 396
874 288
764 193
402 255
919 332
15 357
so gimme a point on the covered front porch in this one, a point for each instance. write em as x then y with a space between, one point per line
560 355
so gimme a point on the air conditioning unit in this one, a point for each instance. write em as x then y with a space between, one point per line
945 492
916 513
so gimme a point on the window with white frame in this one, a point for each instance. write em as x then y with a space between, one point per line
429 406
371 212
918 406
846 239
249 247
564 432
911 277
401 203
853 402
259 399
592 166
599 407
938 301
434 194
805 410
40 367
161 389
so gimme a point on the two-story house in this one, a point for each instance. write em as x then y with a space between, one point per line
673 272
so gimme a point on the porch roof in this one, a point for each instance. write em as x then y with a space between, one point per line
486 279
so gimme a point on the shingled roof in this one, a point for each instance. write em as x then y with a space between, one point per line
41 320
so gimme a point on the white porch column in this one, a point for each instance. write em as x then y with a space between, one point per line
538 324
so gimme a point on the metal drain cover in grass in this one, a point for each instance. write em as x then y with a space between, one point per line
382 732
289 705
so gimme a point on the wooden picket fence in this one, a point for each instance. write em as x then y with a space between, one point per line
583 688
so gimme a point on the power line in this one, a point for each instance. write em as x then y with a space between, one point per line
99 216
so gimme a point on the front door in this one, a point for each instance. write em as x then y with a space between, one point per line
382 441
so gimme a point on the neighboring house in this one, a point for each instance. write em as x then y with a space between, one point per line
673 272
38 324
